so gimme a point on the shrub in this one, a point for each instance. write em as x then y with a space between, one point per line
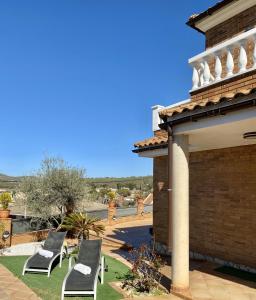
144 276
5 200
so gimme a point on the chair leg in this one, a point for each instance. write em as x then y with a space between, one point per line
102 269
60 259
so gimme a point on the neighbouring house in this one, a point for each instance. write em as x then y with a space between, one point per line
204 149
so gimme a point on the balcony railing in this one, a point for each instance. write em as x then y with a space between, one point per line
226 60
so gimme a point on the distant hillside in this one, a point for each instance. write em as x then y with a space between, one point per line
10 182
118 182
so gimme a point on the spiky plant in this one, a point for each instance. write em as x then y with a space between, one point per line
81 224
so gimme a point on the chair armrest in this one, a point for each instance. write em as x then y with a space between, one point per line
71 258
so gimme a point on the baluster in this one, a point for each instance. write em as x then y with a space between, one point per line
201 74
195 78
218 68
254 53
207 73
230 63
242 59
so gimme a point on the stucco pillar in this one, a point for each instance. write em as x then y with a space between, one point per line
169 129
180 213
7 222
140 207
111 212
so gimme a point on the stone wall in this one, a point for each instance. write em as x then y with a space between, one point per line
222 203
231 27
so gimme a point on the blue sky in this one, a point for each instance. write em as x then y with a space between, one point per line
78 79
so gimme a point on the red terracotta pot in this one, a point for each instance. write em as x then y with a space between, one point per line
112 203
4 213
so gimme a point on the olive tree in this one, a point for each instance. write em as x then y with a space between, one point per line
54 190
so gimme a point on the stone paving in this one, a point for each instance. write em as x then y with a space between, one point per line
11 288
205 282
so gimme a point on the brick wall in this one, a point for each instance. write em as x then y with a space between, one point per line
160 196
246 81
233 26
222 203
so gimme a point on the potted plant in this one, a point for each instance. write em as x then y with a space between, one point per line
111 198
5 200
81 224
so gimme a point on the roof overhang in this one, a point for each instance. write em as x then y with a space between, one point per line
211 110
219 13
219 114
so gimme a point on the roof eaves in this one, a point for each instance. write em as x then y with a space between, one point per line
198 17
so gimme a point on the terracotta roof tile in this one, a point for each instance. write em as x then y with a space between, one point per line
169 112
161 135
156 140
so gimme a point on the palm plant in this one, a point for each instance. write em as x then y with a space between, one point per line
81 224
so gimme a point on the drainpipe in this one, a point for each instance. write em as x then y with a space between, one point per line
170 132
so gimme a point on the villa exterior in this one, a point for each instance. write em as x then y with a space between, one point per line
204 149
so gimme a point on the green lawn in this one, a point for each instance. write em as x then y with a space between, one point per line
50 288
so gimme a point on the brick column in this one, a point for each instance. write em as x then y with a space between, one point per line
111 212
7 227
140 207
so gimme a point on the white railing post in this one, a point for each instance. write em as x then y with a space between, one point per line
207 73
195 78
218 68
201 74
254 52
242 61
230 63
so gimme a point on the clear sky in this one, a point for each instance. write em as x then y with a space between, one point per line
78 79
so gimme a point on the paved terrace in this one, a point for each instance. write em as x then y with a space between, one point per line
205 281
11 288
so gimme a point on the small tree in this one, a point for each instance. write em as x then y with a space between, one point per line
54 190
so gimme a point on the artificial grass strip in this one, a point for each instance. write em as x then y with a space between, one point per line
50 288
237 273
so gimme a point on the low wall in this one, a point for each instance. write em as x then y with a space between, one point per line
29 237
36 236
128 219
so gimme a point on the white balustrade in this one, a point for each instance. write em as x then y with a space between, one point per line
224 68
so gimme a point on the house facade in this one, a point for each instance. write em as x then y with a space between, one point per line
204 149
